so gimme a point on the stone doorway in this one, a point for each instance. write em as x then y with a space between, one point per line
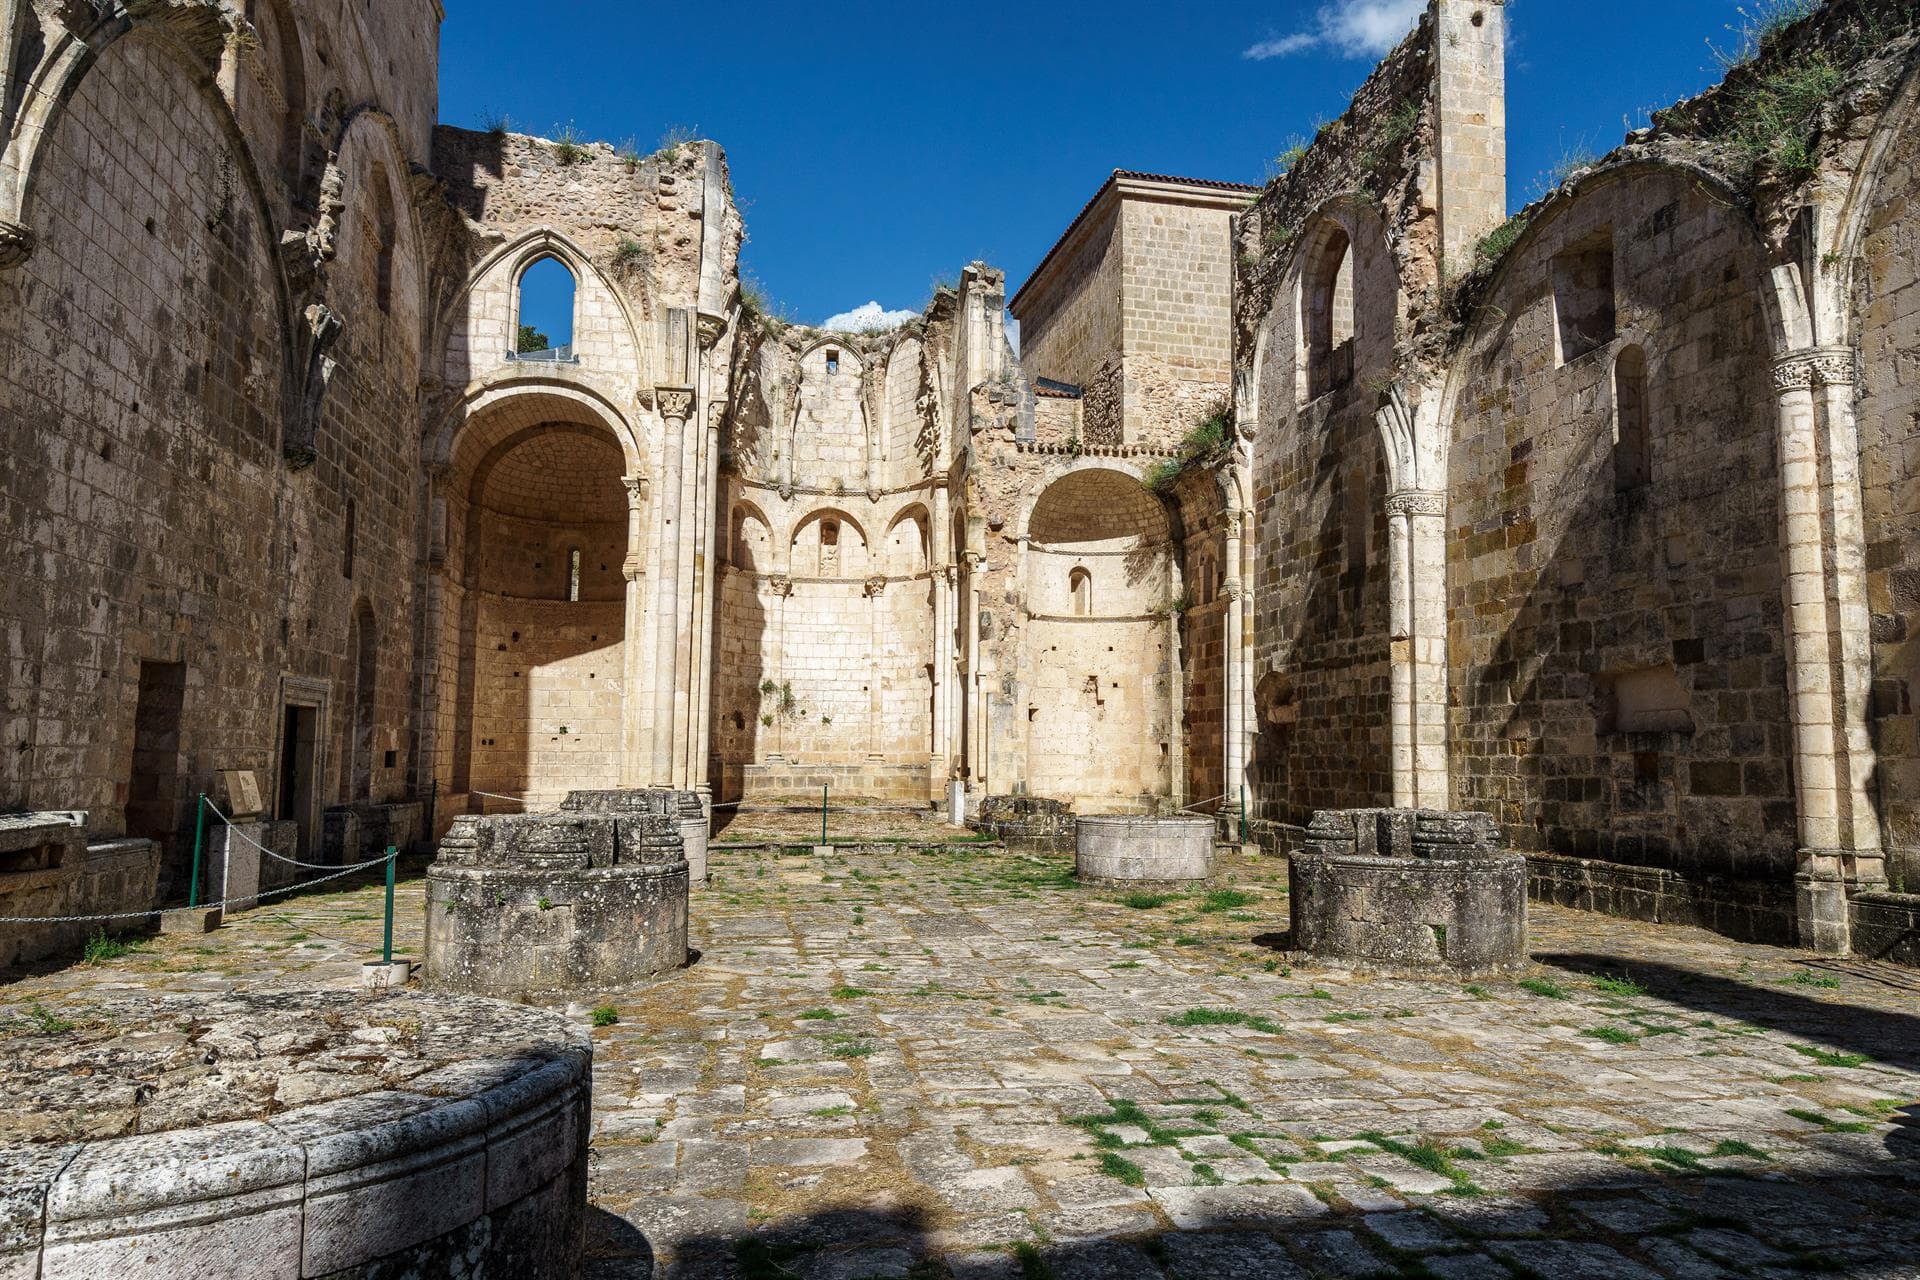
153 783
297 793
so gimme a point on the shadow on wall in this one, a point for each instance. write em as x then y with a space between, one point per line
746 720
1335 753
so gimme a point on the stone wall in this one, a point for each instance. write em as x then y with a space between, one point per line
1888 308
1618 664
1178 268
156 367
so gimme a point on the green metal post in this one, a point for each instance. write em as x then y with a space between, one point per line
199 835
393 857
823 813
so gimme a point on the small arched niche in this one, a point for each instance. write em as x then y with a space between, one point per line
385 230
1080 588
544 310
1632 443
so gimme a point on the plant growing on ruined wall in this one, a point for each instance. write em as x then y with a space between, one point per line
1281 165
1494 245
674 141
628 153
1774 120
569 146
628 254
1761 26
1206 446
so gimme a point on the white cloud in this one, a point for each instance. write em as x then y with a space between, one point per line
871 316
1352 28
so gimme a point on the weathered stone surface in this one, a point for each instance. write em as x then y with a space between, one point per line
1409 891
1152 850
203 1169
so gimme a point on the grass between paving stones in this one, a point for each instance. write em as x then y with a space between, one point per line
1612 1035
817 1015
850 993
1118 1166
1431 1156
1542 988
605 1016
1032 1265
1828 1123
1808 978
1226 900
1829 1059
1146 901
1226 1018
1125 1111
1619 986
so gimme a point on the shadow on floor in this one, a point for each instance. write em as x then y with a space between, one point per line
1856 1216
1881 1034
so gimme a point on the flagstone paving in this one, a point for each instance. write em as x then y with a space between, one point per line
931 1063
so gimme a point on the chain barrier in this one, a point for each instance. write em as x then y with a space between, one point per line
206 906
234 829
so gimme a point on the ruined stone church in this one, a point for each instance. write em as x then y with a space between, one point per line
1346 490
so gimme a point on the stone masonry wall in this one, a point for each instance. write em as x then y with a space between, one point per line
1889 421
1572 601
1177 272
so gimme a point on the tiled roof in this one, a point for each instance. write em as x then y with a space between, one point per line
1048 389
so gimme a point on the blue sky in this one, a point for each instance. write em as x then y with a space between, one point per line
879 147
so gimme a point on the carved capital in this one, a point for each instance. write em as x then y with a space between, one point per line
1232 589
1417 502
781 585
1825 367
676 403
16 244
876 586
1235 524
710 329
637 490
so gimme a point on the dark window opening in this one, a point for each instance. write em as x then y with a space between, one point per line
1327 314
1632 443
346 541
833 363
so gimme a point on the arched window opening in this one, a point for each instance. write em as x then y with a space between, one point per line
833 363
1080 583
1583 303
544 312
573 575
1632 445
385 234
1327 314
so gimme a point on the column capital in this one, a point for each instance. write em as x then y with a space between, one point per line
876 586
1417 502
638 489
1235 523
709 328
17 242
1815 367
676 403
1232 589
780 584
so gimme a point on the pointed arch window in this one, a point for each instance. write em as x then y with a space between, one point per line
544 305
386 233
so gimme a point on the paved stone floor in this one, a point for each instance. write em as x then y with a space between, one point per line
957 1063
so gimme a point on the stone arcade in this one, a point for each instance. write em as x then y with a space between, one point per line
1598 520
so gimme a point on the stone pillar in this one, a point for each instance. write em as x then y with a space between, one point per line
1234 729
876 701
709 556
782 588
976 718
634 696
1470 109
1417 547
675 405
940 765
1824 590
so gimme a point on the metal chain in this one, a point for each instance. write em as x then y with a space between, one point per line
204 906
307 866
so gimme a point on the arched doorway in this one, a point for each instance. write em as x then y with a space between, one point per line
536 604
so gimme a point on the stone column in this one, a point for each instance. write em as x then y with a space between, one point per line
709 556
676 403
876 702
633 750
1233 729
782 588
1839 841
1416 530
975 717
940 766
